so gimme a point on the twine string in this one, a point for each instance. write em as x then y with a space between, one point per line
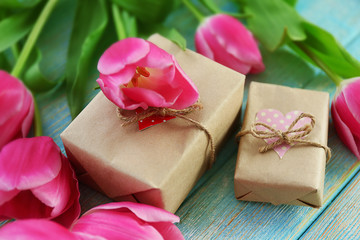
129 117
290 136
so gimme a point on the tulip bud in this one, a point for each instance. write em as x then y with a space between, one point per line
225 40
16 109
345 111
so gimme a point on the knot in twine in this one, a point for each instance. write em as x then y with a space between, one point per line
129 117
290 136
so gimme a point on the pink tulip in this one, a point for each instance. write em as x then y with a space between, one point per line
16 109
136 73
345 111
36 181
127 220
121 220
35 229
225 40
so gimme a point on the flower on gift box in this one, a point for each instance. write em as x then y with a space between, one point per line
36 181
16 108
123 220
345 112
136 73
225 40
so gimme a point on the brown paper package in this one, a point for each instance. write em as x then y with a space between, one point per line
297 178
161 164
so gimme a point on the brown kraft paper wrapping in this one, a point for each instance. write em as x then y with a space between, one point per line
297 178
161 164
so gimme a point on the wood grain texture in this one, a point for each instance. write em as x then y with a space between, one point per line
341 220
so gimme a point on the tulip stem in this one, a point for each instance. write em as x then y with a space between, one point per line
193 9
119 24
37 120
34 34
334 77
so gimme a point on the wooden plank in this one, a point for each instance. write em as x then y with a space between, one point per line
341 220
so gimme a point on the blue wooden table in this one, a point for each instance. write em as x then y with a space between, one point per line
211 210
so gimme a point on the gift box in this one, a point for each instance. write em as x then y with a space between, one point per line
159 165
285 174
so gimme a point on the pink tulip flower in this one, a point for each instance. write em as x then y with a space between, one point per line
127 220
112 221
345 112
36 181
16 109
35 229
225 40
136 73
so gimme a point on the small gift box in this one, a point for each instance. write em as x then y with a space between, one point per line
158 165
282 150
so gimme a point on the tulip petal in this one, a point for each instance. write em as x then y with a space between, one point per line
168 230
122 53
201 44
346 114
35 229
352 98
24 205
145 212
344 133
61 194
146 97
32 163
7 195
114 225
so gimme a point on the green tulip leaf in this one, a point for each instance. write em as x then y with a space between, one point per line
273 22
15 27
34 78
19 3
147 11
90 22
173 35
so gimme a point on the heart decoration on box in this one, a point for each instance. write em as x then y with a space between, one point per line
278 121
152 120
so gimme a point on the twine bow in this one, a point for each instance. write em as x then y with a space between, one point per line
290 136
129 117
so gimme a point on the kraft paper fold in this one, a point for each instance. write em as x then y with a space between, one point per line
161 164
297 178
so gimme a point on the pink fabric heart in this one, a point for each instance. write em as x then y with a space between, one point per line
275 119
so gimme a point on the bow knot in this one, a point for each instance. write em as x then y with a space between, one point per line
291 136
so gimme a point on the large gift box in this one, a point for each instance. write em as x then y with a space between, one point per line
285 174
161 164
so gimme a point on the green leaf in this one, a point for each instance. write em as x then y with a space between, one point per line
90 21
19 3
147 11
4 63
130 24
174 36
328 50
15 27
272 22
33 78
291 2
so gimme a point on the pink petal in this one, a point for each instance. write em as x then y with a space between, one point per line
346 114
352 98
16 109
343 131
146 97
145 212
114 225
61 194
24 205
201 45
35 229
168 230
122 53
34 162
156 58
7 195
189 94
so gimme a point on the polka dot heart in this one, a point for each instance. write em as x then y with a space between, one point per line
277 120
